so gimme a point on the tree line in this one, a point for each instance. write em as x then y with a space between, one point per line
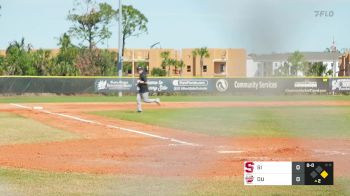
296 63
90 25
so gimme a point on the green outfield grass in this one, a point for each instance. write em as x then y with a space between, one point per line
30 182
318 122
97 98
15 129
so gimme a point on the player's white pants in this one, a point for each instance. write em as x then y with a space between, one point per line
145 98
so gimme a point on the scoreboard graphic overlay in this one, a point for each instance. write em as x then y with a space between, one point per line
288 173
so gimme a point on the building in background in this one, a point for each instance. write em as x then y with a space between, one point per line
265 65
221 63
344 65
150 58
252 67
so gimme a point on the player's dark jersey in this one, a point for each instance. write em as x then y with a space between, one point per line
143 88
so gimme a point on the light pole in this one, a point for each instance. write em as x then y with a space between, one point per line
120 47
154 45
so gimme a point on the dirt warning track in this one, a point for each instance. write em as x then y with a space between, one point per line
123 147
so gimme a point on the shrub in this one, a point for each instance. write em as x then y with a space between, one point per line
158 72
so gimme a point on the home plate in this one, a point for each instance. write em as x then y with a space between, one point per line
230 152
37 108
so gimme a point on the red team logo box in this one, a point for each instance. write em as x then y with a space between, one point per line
249 169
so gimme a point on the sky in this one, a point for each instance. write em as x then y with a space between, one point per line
259 26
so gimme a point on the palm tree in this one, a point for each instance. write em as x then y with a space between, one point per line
318 69
166 61
19 45
283 70
202 53
297 63
180 64
18 58
172 62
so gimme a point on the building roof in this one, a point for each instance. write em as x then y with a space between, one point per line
308 56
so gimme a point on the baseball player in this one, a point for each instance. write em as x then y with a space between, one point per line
142 88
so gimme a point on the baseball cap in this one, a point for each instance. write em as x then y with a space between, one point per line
140 68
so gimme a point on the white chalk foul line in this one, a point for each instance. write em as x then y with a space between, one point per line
138 132
330 152
108 126
230 152
21 106
71 117
182 142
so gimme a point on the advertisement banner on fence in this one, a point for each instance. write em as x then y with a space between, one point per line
111 85
307 85
235 86
159 85
340 85
155 85
271 86
246 86
194 85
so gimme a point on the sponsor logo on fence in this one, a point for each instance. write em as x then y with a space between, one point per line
157 86
105 85
190 85
222 85
305 84
190 82
101 85
341 84
255 85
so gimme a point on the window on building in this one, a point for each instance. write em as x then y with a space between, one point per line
176 71
188 68
128 67
222 68
205 68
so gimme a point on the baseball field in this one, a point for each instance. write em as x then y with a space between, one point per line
190 145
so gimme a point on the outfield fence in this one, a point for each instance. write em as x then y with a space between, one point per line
217 86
